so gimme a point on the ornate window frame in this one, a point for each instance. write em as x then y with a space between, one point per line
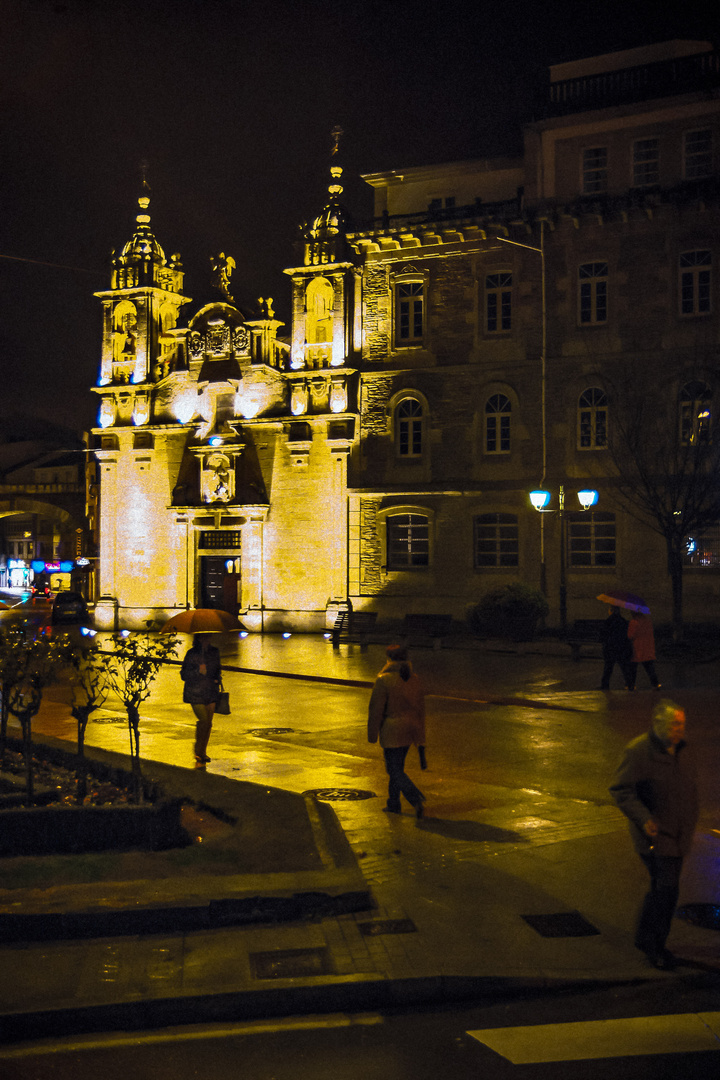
409 314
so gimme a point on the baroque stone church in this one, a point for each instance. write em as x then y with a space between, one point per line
442 360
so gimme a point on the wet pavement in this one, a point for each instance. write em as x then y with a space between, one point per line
518 824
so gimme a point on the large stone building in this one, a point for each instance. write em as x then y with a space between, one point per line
442 361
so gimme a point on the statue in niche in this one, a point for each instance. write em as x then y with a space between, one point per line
126 337
217 479
195 343
222 267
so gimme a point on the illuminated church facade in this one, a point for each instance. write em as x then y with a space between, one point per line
441 361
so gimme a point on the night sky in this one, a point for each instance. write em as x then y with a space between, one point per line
231 104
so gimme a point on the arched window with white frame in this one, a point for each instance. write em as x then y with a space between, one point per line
409 428
498 409
592 419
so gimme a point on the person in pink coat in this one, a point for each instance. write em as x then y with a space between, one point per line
642 638
396 716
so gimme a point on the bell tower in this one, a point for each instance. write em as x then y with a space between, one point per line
139 310
326 288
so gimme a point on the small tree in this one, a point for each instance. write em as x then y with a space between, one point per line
10 670
665 444
34 663
134 664
91 686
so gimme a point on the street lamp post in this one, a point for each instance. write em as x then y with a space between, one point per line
540 498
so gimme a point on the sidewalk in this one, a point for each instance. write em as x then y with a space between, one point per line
383 911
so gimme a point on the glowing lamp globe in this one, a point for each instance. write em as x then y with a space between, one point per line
539 499
587 498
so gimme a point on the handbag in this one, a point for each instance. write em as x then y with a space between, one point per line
222 704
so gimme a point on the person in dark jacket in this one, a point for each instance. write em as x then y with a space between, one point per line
655 786
616 648
396 715
201 673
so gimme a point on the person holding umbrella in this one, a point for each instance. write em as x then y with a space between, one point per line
640 634
616 648
201 673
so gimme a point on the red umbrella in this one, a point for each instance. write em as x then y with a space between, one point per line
626 600
202 621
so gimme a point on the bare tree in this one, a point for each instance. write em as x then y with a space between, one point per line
665 444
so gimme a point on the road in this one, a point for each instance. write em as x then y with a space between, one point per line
610 1024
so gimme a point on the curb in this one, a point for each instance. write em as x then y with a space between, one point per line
353 993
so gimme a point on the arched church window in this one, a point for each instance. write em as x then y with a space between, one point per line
319 303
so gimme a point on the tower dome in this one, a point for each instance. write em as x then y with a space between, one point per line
325 237
142 261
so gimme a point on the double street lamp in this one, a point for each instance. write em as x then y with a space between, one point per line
540 498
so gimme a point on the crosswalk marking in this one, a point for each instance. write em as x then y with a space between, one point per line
679 1033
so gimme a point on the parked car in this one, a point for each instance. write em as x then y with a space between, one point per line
40 593
69 607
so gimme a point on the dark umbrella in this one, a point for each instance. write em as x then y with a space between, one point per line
626 600
202 621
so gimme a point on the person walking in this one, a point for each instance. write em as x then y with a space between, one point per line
201 673
642 638
396 716
655 786
616 648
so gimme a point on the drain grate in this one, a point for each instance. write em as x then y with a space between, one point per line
271 731
290 963
705 915
339 794
387 926
562 924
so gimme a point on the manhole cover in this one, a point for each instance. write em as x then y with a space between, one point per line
563 924
705 915
340 794
290 963
109 718
270 731
387 926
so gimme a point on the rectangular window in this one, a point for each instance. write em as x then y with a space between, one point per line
591 539
222 538
408 541
498 303
496 540
695 278
594 170
646 162
593 290
697 155
409 314
703 548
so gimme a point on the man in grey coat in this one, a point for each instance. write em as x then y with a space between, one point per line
655 787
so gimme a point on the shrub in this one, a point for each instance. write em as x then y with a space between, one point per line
508 611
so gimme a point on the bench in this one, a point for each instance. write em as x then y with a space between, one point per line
355 627
584 632
417 629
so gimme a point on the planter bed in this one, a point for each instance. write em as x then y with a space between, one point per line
67 828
